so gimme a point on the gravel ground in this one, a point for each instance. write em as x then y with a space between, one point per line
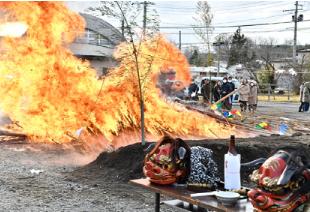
53 190
67 183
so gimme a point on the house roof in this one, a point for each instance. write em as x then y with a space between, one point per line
304 50
282 60
84 49
208 69
104 28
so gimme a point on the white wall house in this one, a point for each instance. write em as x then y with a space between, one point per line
199 72
97 44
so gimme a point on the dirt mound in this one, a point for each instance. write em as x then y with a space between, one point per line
126 163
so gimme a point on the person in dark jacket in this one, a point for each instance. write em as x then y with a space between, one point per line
306 96
226 89
192 90
216 91
232 88
301 92
205 91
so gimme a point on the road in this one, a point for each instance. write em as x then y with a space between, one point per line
283 109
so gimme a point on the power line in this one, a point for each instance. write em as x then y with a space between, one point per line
229 8
241 20
168 10
189 26
247 5
231 26
173 7
272 30
252 19
268 5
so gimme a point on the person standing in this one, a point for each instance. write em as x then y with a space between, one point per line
253 96
306 96
232 88
244 93
216 91
205 91
302 105
192 90
225 89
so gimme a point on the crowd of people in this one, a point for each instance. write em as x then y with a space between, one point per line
212 93
248 95
304 97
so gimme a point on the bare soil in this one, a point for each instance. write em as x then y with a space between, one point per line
53 177
67 184
126 163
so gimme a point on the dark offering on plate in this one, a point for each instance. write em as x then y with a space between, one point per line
200 187
204 187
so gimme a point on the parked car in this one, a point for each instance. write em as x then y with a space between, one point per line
280 91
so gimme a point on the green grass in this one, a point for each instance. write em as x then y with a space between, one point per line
279 98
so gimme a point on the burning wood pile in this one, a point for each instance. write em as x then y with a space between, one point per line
51 94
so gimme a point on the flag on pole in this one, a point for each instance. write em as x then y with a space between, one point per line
263 125
235 112
283 128
227 114
217 106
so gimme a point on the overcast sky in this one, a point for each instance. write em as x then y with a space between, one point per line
227 13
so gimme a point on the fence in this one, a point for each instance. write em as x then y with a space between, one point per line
273 93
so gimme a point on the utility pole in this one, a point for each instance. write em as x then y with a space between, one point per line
144 16
218 44
295 18
145 6
295 32
123 27
180 40
218 60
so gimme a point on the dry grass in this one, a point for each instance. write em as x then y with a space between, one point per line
279 98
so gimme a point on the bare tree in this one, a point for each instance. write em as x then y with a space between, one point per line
204 18
141 76
132 10
305 70
225 39
127 13
265 49
302 74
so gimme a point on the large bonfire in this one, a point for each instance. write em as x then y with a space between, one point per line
50 94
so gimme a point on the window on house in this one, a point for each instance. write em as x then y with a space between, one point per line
102 41
92 37
104 71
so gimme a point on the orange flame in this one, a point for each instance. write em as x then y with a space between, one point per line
51 94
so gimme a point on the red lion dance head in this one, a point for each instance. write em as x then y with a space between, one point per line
283 183
168 162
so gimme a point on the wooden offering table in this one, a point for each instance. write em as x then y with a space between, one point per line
181 193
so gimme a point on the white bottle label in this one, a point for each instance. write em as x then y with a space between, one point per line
232 171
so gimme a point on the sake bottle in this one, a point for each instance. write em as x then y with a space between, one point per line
232 167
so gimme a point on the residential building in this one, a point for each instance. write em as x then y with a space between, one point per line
199 72
303 54
285 74
97 43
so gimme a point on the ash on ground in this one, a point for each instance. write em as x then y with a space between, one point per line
63 182
52 177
